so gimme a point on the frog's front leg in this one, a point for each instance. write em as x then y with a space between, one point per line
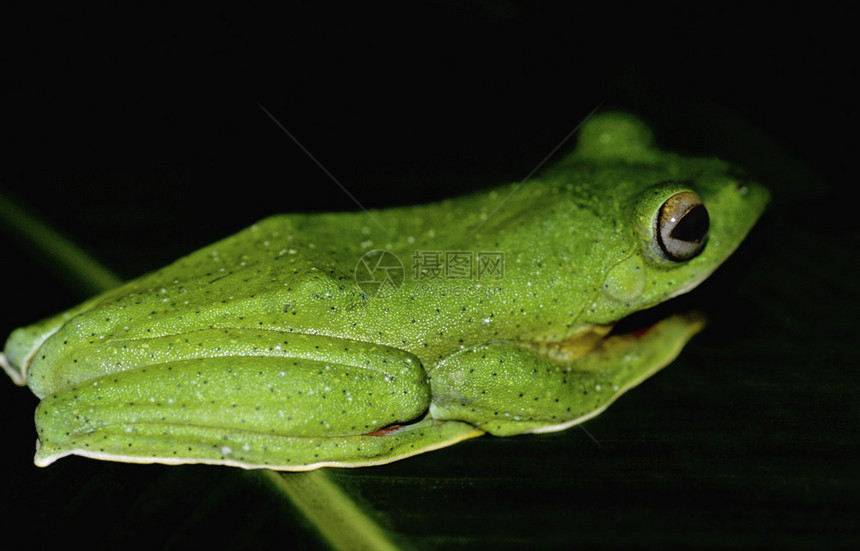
507 388
360 405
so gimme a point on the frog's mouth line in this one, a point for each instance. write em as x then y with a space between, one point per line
639 323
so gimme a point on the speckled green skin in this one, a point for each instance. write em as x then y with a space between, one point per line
262 350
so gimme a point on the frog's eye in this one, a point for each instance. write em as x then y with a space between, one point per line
681 226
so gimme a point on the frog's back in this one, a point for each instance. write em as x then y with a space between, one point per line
297 274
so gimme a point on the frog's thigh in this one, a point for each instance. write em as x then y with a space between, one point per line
288 413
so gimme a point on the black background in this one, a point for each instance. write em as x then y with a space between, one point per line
159 108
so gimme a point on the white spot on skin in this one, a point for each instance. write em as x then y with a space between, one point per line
225 450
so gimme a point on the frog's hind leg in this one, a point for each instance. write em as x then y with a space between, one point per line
250 412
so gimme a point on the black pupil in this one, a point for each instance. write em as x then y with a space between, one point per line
693 226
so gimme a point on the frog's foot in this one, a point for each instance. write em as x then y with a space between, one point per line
180 444
508 388
630 354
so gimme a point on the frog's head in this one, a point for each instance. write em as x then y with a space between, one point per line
628 226
670 220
